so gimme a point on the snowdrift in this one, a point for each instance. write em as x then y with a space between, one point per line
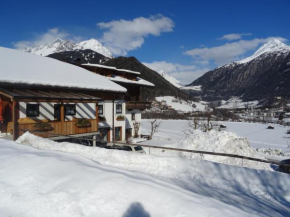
37 183
258 192
221 142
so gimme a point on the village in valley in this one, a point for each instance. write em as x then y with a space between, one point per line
139 116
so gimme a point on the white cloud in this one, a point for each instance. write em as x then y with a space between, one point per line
228 52
234 36
44 38
168 67
183 73
121 36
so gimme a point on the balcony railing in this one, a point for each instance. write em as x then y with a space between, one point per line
60 128
138 105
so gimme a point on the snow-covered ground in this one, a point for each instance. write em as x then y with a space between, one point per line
236 102
256 133
57 181
181 105
171 133
195 88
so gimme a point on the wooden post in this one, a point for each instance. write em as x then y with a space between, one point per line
97 115
62 118
114 120
15 109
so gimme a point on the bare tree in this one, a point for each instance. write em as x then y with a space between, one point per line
202 124
192 125
235 104
136 126
154 127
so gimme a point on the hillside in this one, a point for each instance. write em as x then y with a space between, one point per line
266 74
79 56
162 86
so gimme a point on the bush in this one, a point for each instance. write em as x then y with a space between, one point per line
120 118
83 122
102 118
42 126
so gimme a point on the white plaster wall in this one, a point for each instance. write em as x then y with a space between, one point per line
130 121
46 110
108 111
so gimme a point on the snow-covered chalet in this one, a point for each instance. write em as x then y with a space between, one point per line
51 98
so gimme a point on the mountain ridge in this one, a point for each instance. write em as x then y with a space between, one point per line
60 45
162 86
265 74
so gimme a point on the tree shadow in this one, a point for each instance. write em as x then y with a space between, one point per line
136 210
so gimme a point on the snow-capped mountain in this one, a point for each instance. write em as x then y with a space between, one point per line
60 45
271 46
169 78
264 75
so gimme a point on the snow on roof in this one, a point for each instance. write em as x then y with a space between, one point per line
112 68
24 68
129 71
139 81
100 66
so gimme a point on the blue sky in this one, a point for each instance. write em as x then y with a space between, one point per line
183 38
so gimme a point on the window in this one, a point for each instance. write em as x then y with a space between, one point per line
57 112
32 110
119 108
118 135
70 109
100 109
133 116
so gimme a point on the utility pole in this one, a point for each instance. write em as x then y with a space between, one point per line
113 120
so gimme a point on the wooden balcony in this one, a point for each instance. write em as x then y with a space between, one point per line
138 105
59 128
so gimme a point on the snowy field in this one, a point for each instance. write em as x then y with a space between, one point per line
236 102
65 179
181 105
272 144
257 134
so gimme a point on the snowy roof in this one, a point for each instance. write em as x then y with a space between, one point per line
100 66
139 81
111 67
129 71
18 67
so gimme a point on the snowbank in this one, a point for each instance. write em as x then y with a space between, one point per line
221 142
43 183
171 134
185 187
